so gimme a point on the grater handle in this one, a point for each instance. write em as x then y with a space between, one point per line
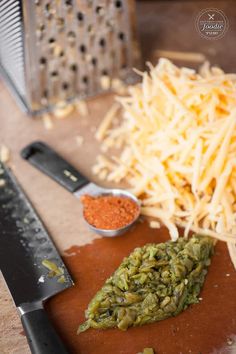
42 337
49 162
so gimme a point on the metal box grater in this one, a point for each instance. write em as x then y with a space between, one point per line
53 51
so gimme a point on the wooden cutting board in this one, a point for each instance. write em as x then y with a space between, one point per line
208 327
59 210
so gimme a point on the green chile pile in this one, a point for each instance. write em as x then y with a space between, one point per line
155 282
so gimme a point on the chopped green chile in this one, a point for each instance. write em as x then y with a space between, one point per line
153 283
54 271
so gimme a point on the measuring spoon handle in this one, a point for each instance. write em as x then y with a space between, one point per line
52 164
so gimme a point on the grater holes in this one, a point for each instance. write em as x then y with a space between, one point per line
65 86
41 27
99 10
104 72
110 24
71 37
69 5
80 16
90 29
49 11
85 79
121 36
102 42
118 4
51 40
87 36
123 59
45 94
69 2
42 61
60 22
82 48
94 61
73 67
40 31
54 74
53 47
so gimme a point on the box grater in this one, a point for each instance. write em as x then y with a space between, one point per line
53 51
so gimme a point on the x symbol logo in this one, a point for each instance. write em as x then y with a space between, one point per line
211 17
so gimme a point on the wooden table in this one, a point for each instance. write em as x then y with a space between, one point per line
165 25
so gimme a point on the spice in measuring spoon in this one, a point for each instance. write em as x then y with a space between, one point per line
109 212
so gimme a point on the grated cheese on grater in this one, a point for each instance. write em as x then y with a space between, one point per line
178 139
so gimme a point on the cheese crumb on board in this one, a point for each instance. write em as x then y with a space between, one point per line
2 182
155 224
176 55
147 351
79 140
47 121
4 154
106 123
177 141
82 108
63 109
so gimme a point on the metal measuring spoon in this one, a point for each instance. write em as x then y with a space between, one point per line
49 162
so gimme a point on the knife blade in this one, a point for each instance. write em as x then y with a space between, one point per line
30 264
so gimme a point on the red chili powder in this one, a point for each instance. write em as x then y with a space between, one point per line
109 212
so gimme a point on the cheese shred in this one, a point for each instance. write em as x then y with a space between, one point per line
177 149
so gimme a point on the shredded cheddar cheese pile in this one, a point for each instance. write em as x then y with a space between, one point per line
178 139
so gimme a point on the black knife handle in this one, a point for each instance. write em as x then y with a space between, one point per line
41 335
48 161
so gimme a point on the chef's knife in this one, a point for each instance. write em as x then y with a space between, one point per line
30 264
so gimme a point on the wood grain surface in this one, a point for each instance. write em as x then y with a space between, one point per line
59 210
166 25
